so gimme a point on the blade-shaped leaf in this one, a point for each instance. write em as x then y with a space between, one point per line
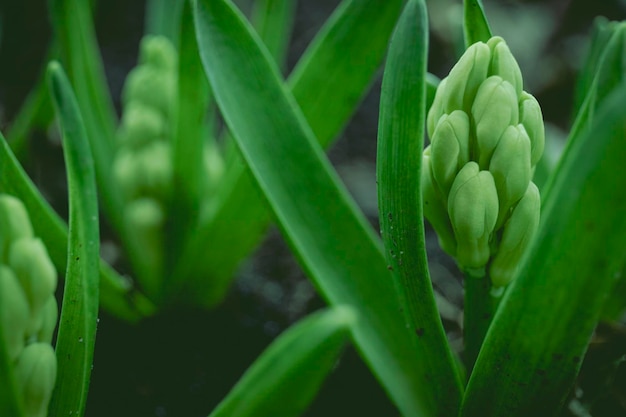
163 18
116 295
73 28
535 344
398 164
328 88
273 20
475 25
284 380
323 225
79 312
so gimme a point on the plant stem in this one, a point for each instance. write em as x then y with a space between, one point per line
478 313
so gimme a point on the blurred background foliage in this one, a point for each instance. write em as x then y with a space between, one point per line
183 362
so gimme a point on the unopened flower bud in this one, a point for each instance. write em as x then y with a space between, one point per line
510 166
449 148
473 209
518 234
14 312
35 376
14 223
31 264
141 124
493 111
465 78
503 63
532 119
435 209
49 317
157 51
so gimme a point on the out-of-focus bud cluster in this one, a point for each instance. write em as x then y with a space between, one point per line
486 136
28 308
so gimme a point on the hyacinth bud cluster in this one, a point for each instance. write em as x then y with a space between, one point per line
143 163
486 136
28 308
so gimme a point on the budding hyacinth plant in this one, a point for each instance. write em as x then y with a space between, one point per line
28 311
486 137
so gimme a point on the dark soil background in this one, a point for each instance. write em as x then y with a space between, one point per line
181 363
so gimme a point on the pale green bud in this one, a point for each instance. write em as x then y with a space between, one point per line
35 376
449 148
532 119
31 264
503 63
151 86
435 207
14 223
146 172
141 124
157 51
49 317
14 312
473 210
510 166
518 234
436 109
493 111
465 78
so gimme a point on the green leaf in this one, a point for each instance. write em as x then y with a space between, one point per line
332 239
284 380
475 25
162 17
75 33
9 397
116 295
79 312
398 163
536 342
328 89
273 20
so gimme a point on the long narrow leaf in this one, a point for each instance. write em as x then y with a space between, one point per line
331 237
162 17
475 25
398 163
116 295
79 312
534 347
73 27
273 20
328 84
284 380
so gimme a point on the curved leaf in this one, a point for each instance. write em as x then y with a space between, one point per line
475 25
322 224
284 380
398 164
534 347
328 89
79 312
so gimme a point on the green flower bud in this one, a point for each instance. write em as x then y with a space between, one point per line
35 376
473 209
436 109
510 166
125 171
14 223
141 124
493 111
31 264
532 119
156 172
157 51
503 63
449 148
465 78
518 234
14 312
151 86
49 317
435 207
